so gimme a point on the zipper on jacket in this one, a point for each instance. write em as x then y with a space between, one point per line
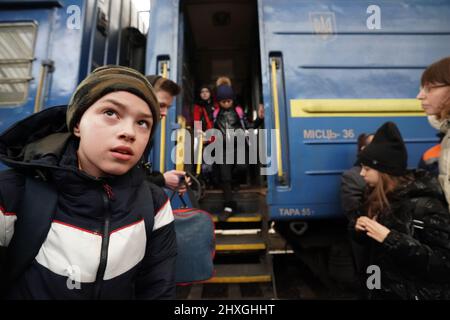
107 196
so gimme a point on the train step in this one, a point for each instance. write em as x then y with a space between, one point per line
247 201
237 243
241 273
241 218
228 291
243 191
243 206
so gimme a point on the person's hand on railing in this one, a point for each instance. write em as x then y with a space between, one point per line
261 111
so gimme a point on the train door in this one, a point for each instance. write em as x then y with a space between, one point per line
193 43
332 70
25 35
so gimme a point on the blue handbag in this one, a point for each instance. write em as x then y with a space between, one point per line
195 245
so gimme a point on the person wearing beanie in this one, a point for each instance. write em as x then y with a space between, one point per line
166 90
434 95
403 224
227 119
78 219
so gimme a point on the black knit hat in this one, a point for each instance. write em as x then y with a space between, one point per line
224 92
107 79
387 152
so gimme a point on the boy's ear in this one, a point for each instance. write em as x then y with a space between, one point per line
76 130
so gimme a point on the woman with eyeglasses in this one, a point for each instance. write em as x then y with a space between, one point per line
434 95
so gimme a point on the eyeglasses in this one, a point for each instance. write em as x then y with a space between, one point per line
427 89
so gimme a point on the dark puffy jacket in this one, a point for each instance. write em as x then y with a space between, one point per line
229 119
414 259
353 187
113 236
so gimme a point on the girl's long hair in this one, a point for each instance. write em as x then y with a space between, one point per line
439 73
378 196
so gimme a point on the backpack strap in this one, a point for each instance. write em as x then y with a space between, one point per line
147 194
216 113
239 112
241 116
35 217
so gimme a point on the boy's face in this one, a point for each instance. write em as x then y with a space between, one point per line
113 134
165 101
226 104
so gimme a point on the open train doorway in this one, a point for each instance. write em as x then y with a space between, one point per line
221 38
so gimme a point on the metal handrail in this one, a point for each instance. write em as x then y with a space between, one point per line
277 117
181 137
162 146
46 67
199 155
14 61
15 80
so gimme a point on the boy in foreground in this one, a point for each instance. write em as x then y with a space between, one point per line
78 220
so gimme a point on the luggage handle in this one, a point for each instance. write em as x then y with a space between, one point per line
183 182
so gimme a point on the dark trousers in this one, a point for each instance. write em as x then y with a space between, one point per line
229 173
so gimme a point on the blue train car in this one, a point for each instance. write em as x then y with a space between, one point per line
48 47
325 70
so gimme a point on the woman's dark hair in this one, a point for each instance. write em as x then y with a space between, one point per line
205 86
439 73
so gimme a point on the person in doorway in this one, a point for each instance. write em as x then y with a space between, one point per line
204 108
227 119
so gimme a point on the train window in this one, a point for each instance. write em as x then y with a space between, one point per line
16 57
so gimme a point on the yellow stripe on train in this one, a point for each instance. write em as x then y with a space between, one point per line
307 108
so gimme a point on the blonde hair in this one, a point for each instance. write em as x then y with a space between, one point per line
223 80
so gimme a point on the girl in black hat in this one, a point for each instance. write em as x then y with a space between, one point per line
405 224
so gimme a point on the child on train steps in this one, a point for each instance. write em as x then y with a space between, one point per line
228 119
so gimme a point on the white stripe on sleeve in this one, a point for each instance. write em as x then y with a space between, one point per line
164 216
7 221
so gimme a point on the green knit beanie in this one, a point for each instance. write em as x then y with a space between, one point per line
107 79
